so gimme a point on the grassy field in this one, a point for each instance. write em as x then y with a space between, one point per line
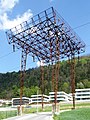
7 114
63 106
34 110
77 114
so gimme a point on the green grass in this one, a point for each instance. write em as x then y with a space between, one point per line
34 110
64 106
7 114
78 114
81 109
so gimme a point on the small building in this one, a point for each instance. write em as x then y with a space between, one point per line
5 102
1 102
16 101
61 96
38 98
82 94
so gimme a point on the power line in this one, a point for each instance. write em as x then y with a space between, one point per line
7 54
73 28
87 45
82 25
17 50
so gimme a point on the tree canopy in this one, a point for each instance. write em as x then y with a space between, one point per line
10 81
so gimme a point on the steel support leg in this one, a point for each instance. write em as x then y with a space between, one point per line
42 86
22 76
73 80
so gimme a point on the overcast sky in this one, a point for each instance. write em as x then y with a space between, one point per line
14 12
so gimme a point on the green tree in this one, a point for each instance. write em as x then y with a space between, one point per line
65 87
80 85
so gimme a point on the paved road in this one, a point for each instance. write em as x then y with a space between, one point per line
39 116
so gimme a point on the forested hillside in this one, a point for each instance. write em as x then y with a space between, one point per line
10 82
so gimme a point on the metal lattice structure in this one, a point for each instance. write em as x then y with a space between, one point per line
39 35
46 36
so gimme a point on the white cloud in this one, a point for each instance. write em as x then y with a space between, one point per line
6 23
7 6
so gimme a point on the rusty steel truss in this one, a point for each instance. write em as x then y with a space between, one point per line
46 37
